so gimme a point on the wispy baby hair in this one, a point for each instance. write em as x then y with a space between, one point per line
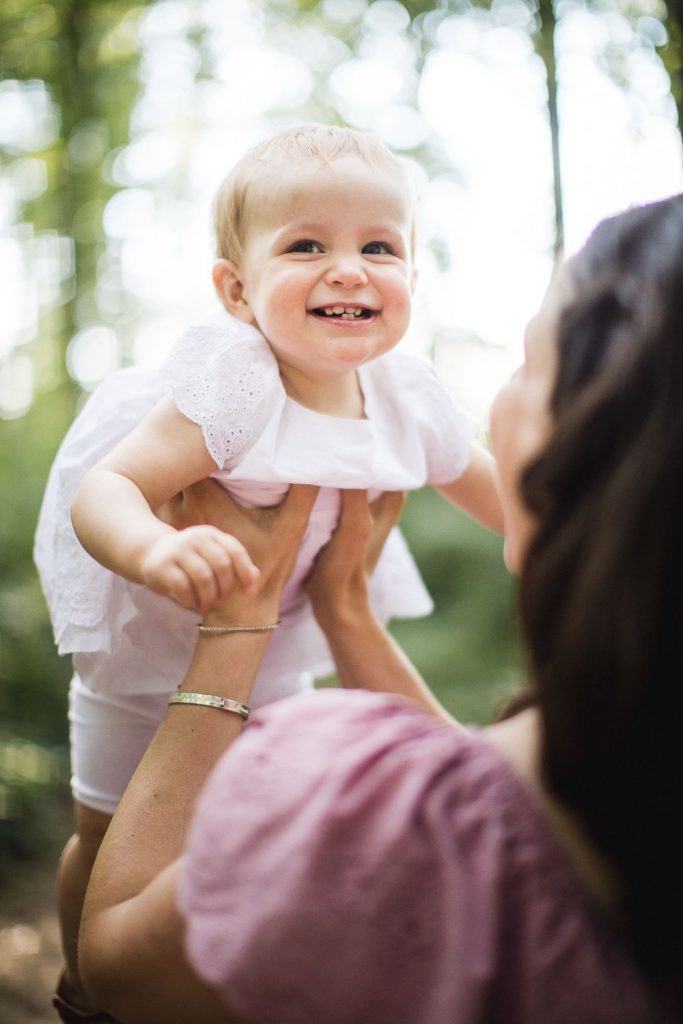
319 142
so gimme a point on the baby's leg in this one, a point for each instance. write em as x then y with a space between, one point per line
109 735
72 881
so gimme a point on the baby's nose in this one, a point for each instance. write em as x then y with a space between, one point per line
347 272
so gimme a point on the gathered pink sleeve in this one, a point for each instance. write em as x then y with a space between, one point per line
318 881
354 861
298 862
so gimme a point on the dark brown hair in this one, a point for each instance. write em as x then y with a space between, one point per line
601 593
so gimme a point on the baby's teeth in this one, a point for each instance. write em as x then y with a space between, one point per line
350 313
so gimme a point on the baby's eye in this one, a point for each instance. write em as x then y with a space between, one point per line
378 249
306 245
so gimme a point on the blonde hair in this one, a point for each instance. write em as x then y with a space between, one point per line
321 142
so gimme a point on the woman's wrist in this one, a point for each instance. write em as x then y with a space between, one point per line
226 664
242 615
340 612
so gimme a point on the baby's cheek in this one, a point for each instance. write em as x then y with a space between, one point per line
288 296
398 291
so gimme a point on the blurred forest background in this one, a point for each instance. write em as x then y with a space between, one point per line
117 121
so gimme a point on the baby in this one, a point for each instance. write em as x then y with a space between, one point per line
296 379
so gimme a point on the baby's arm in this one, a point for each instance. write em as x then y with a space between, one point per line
474 491
113 516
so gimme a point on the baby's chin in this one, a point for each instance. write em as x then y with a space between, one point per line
354 351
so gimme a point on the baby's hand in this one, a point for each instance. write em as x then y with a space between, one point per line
198 567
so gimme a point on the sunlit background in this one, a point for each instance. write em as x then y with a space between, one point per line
119 119
461 94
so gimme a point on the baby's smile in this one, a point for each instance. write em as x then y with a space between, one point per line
341 312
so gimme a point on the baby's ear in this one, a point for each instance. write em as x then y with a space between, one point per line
227 280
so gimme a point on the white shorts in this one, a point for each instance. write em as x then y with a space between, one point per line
109 734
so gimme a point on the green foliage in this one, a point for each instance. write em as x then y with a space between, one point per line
33 800
32 690
33 681
467 648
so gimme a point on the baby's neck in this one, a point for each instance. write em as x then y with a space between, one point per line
340 396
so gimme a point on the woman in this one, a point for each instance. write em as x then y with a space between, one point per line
380 864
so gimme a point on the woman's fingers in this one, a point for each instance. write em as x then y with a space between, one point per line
294 512
265 537
341 570
385 512
205 502
359 537
363 528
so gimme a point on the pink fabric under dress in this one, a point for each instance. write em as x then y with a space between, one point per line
354 861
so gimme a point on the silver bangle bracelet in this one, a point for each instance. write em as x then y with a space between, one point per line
210 701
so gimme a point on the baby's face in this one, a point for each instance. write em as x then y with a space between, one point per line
327 271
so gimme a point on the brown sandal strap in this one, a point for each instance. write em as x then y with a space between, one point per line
70 1014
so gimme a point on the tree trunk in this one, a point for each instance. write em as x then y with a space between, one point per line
546 50
672 56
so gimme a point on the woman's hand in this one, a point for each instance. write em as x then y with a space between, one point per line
270 537
338 583
365 654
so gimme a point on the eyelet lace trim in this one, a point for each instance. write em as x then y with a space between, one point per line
219 383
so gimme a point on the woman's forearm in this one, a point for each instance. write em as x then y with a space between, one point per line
131 953
149 827
368 657
365 654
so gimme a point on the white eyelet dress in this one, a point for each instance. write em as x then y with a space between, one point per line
124 639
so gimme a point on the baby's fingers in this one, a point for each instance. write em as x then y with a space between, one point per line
174 582
200 573
231 562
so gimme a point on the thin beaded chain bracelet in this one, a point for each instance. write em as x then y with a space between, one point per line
218 630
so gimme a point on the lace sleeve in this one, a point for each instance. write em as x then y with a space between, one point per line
222 374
